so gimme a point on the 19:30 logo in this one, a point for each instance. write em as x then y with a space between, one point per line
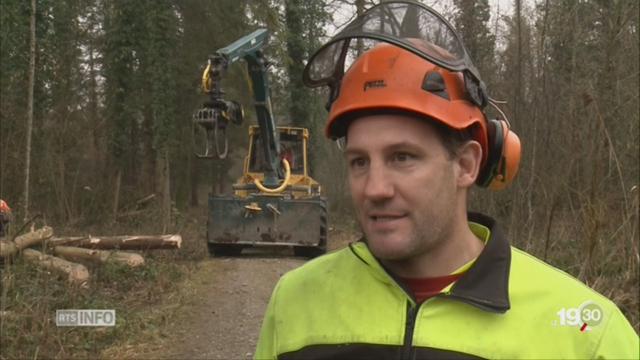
588 313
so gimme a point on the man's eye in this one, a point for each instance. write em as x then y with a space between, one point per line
402 157
358 163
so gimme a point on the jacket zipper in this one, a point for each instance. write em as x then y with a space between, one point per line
412 312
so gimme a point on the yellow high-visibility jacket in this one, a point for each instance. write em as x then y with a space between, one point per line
508 305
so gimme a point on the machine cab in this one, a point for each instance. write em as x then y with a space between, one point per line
293 143
293 147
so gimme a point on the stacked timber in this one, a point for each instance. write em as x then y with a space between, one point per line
65 254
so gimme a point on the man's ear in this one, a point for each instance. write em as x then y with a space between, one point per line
468 159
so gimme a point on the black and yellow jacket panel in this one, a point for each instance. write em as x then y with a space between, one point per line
508 305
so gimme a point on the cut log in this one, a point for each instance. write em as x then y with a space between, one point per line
125 242
34 237
7 248
77 273
10 248
99 256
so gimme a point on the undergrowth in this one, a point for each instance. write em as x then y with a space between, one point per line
31 296
142 297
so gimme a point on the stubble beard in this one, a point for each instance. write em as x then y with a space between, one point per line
424 237
429 234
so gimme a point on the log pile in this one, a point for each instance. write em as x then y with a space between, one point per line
137 242
66 255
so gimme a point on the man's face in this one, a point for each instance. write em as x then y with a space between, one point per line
403 185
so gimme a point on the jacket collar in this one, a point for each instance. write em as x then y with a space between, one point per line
485 285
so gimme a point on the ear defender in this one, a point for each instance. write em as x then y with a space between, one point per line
503 158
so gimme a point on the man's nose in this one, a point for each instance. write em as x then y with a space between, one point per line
378 184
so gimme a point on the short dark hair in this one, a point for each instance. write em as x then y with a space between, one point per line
451 139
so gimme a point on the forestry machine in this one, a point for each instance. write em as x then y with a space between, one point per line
275 202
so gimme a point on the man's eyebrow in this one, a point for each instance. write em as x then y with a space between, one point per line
353 151
402 145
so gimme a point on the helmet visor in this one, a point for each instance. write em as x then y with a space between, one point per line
409 25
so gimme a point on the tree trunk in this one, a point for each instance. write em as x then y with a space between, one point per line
125 242
99 256
77 273
166 192
517 108
95 150
149 164
360 7
116 196
32 75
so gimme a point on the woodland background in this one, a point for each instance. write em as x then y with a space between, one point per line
115 83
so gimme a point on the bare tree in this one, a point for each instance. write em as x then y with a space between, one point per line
32 74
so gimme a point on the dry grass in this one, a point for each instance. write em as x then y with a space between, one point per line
144 298
31 296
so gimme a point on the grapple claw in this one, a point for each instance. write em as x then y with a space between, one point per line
210 133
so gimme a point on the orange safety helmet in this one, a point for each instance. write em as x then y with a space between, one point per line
409 74
4 207
388 78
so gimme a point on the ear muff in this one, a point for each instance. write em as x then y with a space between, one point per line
503 158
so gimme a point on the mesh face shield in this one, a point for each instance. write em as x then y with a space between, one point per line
410 25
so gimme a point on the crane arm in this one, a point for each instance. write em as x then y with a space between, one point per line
249 48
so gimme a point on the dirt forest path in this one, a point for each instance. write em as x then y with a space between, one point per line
222 304
228 299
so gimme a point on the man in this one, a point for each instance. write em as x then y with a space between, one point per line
5 218
427 280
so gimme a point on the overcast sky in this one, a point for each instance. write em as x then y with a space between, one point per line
343 13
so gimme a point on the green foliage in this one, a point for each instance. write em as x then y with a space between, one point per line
160 69
14 61
122 76
296 49
305 22
472 23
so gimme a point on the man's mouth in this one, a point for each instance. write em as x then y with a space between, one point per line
386 217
